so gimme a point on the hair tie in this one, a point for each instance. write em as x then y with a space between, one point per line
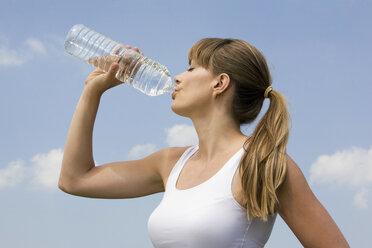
267 91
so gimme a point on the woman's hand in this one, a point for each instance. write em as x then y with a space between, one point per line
101 80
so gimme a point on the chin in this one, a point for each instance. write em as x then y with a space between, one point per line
180 110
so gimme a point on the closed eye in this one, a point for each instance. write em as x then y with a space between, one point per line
190 69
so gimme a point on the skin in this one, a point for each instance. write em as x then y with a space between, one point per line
205 99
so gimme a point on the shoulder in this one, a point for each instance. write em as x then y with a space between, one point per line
293 170
294 194
293 174
176 152
294 179
173 154
167 155
170 156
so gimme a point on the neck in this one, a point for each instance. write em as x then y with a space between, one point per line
218 135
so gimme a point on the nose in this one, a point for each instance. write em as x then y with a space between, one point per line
177 79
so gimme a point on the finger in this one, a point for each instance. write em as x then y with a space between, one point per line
114 68
112 71
137 50
107 60
98 71
94 74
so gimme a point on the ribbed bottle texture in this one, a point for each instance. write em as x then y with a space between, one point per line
142 73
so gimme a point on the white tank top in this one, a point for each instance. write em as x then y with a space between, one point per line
207 215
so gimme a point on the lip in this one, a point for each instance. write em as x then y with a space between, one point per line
174 92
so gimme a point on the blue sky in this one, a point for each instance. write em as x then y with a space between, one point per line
319 53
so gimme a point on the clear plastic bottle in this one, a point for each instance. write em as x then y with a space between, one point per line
142 73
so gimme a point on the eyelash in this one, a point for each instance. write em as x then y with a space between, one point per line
190 69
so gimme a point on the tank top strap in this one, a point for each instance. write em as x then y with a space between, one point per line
222 181
176 170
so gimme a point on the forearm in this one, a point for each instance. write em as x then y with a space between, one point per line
78 153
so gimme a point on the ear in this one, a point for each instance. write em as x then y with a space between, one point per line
221 84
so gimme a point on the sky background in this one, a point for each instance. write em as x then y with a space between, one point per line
319 54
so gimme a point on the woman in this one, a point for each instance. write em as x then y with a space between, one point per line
225 192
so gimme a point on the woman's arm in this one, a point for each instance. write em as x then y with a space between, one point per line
78 148
80 176
304 214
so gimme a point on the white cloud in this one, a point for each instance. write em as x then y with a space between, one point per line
10 57
46 168
360 198
22 54
181 135
42 171
12 174
36 45
351 168
140 151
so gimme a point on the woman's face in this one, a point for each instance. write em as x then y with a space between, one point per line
193 95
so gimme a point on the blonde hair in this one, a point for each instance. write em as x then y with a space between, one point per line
263 165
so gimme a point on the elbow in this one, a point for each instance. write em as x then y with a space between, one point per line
65 186
62 186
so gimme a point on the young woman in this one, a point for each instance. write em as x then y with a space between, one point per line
226 191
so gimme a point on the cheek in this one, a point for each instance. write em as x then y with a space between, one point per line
200 96
195 100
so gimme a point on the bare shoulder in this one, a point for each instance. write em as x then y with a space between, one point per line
292 166
171 155
294 185
304 214
293 175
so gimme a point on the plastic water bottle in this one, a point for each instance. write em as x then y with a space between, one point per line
142 73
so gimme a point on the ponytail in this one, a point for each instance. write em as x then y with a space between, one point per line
263 165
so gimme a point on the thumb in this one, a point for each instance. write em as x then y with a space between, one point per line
114 67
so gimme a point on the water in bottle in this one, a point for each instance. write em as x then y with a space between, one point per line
142 73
